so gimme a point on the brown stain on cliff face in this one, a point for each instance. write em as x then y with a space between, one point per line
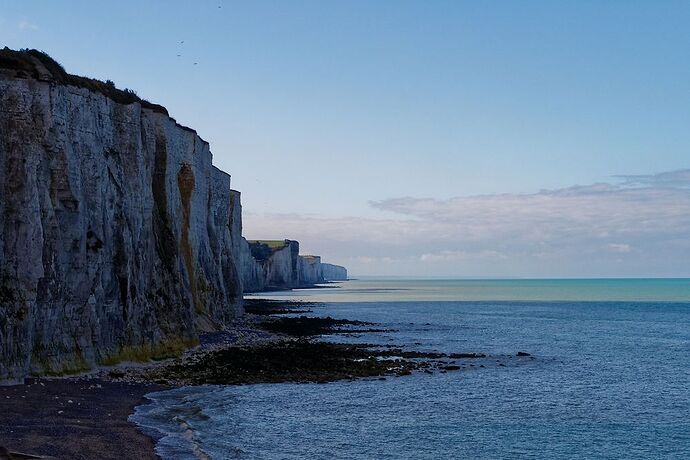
166 243
230 216
186 183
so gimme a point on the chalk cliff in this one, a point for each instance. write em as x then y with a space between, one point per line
251 272
270 265
333 272
310 270
276 264
278 261
118 238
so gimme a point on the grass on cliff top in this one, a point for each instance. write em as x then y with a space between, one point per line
263 249
32 63
273 244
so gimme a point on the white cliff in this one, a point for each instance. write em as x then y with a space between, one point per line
251 273
278 261
310 271
116 233
119 239
333 272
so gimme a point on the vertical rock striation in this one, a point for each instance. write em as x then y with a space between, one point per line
278 262
251 272
117 235
118 238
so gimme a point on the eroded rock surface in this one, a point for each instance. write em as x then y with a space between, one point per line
118 238
116 232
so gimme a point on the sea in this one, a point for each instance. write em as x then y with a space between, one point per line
609 378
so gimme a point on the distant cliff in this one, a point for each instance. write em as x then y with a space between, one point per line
276 264
116 238
251 273
333 272
279 261
310 270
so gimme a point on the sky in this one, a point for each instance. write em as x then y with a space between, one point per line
419 138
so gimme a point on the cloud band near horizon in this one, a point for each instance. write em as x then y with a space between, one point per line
633 226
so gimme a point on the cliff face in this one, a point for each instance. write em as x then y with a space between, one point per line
251 273
333 272
282 268
310 270
117 236
277 261
276 265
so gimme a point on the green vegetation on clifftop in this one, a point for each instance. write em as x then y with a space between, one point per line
31 63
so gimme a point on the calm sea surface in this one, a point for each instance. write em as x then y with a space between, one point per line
610 379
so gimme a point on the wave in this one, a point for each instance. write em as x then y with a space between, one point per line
172 418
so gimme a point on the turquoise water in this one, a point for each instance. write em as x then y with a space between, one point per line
610 379
373 290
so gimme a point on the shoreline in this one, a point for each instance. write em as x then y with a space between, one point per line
88 416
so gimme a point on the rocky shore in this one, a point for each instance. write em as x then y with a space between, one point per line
277 348
86 416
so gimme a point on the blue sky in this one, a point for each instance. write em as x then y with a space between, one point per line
403 121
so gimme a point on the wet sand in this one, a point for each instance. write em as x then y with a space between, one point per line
74 419
87 417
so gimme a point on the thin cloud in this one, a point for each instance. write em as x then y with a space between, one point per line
619 247
671 179
27 26
456 256
551 232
